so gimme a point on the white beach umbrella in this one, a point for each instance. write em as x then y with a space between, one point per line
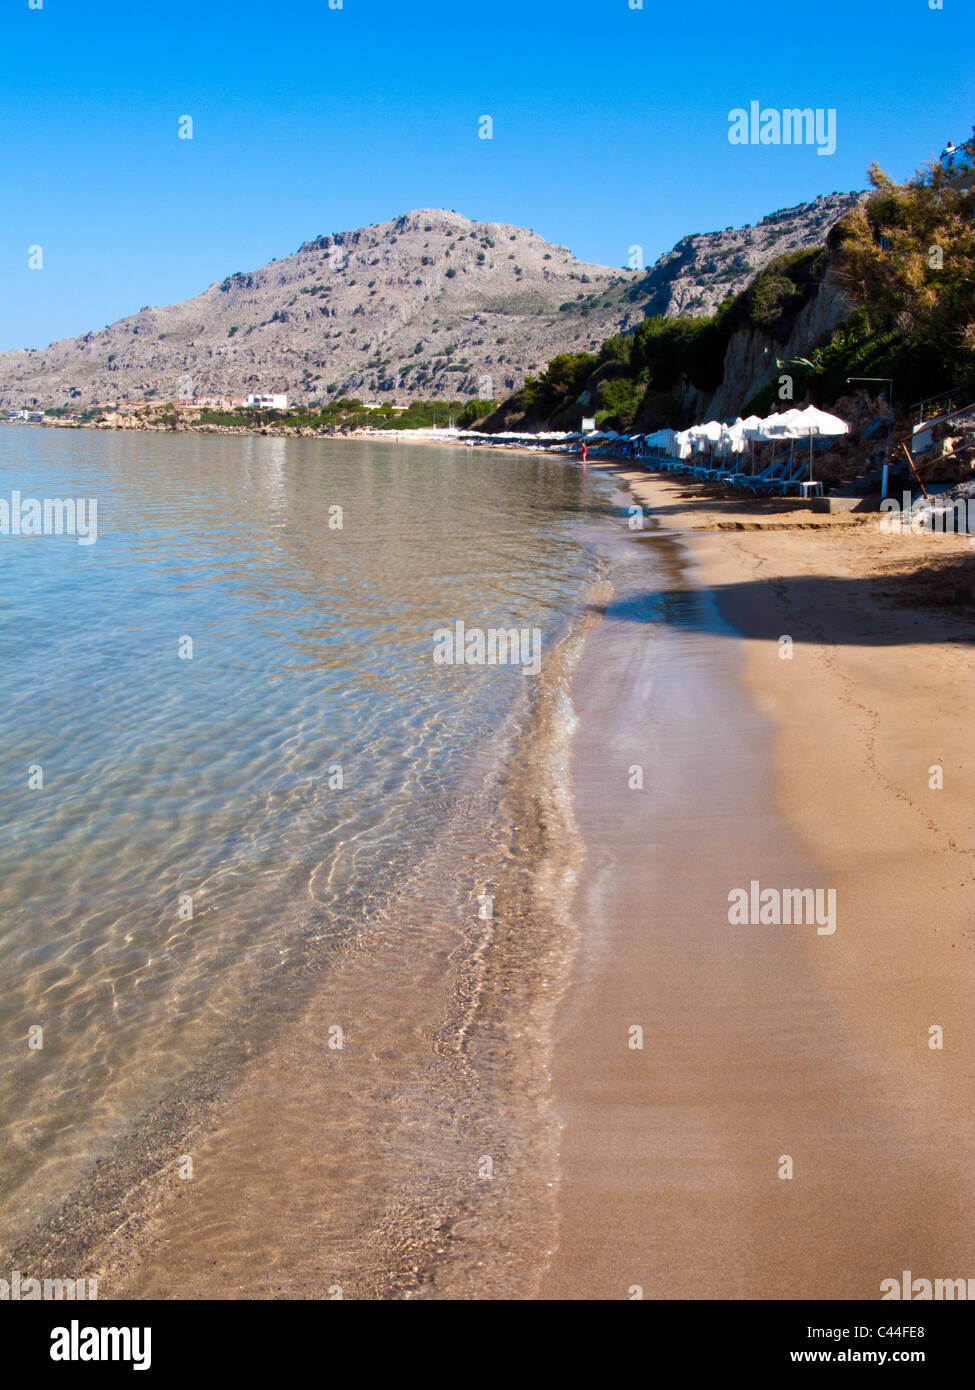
816 423
705 435
722 445
784 425
682 444
732 439
787 424
753 427
768 430
662 439
711 430
820 422
750 431
713 436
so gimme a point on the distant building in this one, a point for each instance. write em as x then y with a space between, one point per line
267 402
209 402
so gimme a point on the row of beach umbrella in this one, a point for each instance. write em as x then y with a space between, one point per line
723 440
716 438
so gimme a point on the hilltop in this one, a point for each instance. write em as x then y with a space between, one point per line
428 306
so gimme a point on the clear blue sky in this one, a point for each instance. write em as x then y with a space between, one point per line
610 126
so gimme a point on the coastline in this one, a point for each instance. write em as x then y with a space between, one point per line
769 1041
394 1114
652 1169
358 1173
281 431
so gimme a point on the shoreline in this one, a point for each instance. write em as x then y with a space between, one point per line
812 1048
315 1169
384 1201
758 1042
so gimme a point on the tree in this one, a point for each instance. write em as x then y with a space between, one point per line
908 256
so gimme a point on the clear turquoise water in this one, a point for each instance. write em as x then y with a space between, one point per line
312 649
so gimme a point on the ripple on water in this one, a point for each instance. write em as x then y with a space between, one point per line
216 777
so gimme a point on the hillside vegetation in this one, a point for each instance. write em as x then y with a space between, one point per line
907 257
635 379
905 260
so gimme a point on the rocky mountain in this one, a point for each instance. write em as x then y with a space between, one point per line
430 305
704 269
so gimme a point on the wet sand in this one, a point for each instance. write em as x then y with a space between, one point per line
761 1042
414 1157
618 1171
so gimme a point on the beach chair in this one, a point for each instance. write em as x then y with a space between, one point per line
702 470
718 471
772 486
734 479
757 482
795 478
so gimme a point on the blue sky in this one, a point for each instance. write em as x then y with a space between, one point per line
610 127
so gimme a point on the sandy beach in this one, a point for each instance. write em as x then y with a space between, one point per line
763 1044
488 802
670 1106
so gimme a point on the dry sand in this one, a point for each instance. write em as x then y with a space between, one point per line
762 1042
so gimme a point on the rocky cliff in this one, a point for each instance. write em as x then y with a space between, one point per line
751 355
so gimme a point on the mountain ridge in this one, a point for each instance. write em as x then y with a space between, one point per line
428 305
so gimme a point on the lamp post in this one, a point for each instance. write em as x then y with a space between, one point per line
890 401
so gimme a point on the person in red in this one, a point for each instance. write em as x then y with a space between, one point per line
585 452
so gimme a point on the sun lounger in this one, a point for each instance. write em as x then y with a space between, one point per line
796 478
787 477
757 482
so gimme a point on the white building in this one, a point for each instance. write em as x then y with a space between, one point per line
267 402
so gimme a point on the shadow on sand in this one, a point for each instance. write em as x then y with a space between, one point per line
877 611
